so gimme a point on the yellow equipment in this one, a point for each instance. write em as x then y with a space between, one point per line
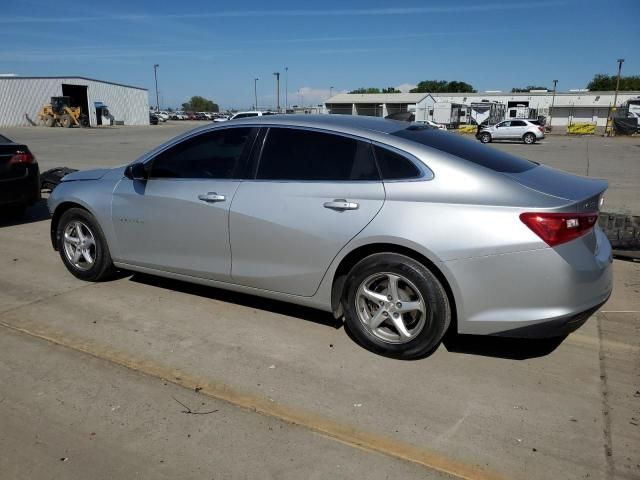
59 112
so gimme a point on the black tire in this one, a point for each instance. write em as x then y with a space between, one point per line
84 121
485 137
102 268
529 138
50 121
437 316
66 121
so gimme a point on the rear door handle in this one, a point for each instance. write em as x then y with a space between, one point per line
211 197
341 204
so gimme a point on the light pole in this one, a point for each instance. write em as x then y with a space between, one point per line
255 91
155 74
615 97
330 92
286 89
553 99
277 74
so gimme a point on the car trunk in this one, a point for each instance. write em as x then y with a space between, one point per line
583 192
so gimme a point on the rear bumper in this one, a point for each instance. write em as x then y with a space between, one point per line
20 191
536 293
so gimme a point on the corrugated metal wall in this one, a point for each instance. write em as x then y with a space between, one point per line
22 98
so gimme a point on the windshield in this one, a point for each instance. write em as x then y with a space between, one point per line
471 151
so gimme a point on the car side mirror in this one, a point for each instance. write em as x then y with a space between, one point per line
136 171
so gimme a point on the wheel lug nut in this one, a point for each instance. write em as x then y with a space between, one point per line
389 297
396 315
399 305
385 314
381 303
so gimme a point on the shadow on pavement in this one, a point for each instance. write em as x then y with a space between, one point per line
35 213
251 301
501 347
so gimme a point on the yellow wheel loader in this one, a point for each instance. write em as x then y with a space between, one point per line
59 112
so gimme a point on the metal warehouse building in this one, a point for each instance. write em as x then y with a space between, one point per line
21 98
568 107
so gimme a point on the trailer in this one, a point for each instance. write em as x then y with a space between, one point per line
447 113
487 112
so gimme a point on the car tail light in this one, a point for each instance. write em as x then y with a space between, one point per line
541 128
558 228
21 157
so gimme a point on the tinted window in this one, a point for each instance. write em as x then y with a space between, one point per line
535 122
475 152
518 123
394 166
503 124
210 155
245 115
291 154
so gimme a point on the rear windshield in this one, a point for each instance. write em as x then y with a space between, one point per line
470 150
535 122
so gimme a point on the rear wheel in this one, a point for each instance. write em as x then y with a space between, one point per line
84 121
395 306
485 137
66 121
83 247
50 121
529 138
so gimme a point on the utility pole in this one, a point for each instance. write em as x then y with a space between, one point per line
553 99
615 97
277 74
255 91
286 89
330 92
155 74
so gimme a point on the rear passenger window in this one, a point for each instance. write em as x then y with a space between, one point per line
394 166
292 154
518 123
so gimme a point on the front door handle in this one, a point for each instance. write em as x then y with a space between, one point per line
211 197
341 204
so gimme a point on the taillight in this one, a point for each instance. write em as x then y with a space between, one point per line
22 157
541 129
557 228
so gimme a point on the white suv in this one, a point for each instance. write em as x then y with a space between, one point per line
528 131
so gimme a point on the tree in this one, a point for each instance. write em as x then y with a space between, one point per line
200 104
603 82
528 88
391 90
365 90
442 86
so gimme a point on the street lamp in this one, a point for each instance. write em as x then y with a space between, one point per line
286 89
330 92
155 74
255 91
615 97
277 74
553 99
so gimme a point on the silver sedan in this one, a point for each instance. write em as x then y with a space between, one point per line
403 231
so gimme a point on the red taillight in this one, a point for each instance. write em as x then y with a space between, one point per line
541 129
22 157
557 228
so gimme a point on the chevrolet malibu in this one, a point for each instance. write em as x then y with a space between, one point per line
403 231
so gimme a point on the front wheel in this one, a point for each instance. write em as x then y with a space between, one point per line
395 306
83 247
485 137
529 138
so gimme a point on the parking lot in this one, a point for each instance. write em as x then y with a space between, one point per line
143 377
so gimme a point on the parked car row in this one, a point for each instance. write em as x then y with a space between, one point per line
163 116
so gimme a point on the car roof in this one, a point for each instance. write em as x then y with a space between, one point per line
339 123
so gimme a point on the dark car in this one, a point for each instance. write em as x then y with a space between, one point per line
19 177
153 120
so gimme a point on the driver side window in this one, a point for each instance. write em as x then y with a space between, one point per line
219 154
504 124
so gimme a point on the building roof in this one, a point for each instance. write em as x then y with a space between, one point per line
377 98
66 77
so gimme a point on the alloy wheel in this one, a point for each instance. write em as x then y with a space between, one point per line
79 245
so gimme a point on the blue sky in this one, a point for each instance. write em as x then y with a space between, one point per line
216 48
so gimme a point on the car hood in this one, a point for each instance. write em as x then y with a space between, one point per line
94 174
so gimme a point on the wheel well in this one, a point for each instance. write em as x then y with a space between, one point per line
63 207
359 253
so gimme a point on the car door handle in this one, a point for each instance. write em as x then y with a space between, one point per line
341 204
211 197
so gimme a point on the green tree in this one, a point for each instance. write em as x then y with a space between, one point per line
365 90
443 86
200 104
528 88
603 82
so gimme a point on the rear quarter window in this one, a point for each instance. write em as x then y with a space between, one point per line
469 150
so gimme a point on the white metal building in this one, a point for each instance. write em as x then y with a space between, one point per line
21 98
568 107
